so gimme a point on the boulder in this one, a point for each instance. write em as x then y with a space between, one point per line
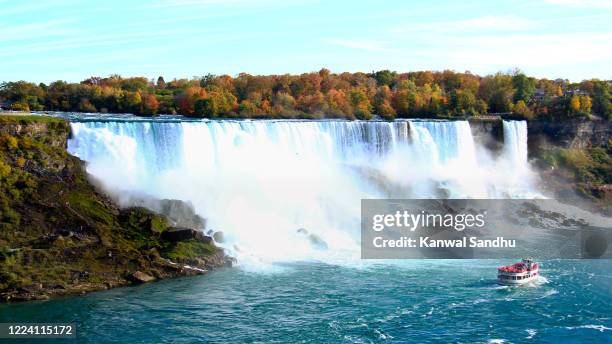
219 237
316 241
31 288
176 234
141 277
181 214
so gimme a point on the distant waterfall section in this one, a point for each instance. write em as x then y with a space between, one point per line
515 142
291 190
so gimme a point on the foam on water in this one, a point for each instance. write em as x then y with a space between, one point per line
261 181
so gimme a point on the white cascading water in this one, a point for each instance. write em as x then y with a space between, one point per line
261 181
515 142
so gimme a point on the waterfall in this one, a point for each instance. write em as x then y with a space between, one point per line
261 181
515 142
445 141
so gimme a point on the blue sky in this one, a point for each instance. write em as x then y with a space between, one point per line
71 40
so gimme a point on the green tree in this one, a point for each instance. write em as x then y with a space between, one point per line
385 77
482 107
361 104
161 83
523 87
501 101
207 107
602 99
463 102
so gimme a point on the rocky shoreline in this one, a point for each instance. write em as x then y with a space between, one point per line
60 236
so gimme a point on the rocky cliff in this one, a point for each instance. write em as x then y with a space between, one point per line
59 235
577 134
575 160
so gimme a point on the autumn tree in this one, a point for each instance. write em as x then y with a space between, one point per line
521 109
150 104
574 104
585 104
284 104
382 103
338 104
131 102
320 94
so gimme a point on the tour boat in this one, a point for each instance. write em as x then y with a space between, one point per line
520 273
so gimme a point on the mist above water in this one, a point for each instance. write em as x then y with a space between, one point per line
260 182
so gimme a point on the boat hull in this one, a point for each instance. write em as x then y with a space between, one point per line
517 282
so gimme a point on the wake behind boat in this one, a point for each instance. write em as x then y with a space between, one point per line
518 274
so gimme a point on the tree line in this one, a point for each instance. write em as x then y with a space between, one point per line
322 94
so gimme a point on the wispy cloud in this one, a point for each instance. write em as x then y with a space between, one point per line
478 24
196 3
117 42
55 27
526 50
360 44
18 8
601 4
52 38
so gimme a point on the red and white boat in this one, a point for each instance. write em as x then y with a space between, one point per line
520 273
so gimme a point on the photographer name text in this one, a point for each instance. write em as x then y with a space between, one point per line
428 242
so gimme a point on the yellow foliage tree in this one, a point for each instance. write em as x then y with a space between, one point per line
520 108
585 104
575 104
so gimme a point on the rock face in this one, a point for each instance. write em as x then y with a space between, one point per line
314 240
178 213
141 277
488 131
175 234
218 236
60 236
579 134
575 161
181 214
